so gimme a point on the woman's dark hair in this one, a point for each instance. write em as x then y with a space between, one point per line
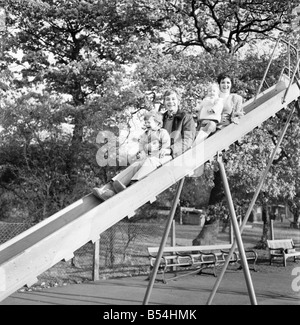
223 76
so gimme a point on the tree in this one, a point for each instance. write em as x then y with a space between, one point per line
72 59
89 64
74 48
34 149
213 25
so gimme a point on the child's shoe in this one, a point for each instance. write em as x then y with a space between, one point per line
103 194
118 186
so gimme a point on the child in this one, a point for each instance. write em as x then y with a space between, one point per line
153 152
179 124
209 113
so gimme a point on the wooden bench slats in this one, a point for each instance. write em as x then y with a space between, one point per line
178 249
283 249
196 256
280 243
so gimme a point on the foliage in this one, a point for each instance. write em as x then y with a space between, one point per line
88 66
245 165
64 62
35 155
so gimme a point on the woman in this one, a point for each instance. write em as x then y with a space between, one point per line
232 103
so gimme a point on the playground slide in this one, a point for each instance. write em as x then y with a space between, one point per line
34 251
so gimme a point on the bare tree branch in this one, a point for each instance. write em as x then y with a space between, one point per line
227 24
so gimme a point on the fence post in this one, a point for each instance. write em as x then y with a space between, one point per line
96 260
173 240
180 216
272 228
231 239
173 236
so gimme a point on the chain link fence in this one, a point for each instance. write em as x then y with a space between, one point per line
10 230
123 252
123 247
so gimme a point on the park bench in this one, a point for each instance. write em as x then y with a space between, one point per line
194 259
282 249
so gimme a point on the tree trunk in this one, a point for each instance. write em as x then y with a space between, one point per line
296 218
294 209
209 232
217 193
262 244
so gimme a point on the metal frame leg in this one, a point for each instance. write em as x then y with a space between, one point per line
261 182
163 242
237 233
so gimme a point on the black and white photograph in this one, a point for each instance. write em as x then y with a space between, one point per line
149 155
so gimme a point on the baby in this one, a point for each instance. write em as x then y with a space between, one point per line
209 113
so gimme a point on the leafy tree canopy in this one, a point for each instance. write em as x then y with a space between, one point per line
89 64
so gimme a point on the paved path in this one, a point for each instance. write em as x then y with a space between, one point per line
275 288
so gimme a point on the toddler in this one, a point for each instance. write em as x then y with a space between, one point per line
154 149
209 113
